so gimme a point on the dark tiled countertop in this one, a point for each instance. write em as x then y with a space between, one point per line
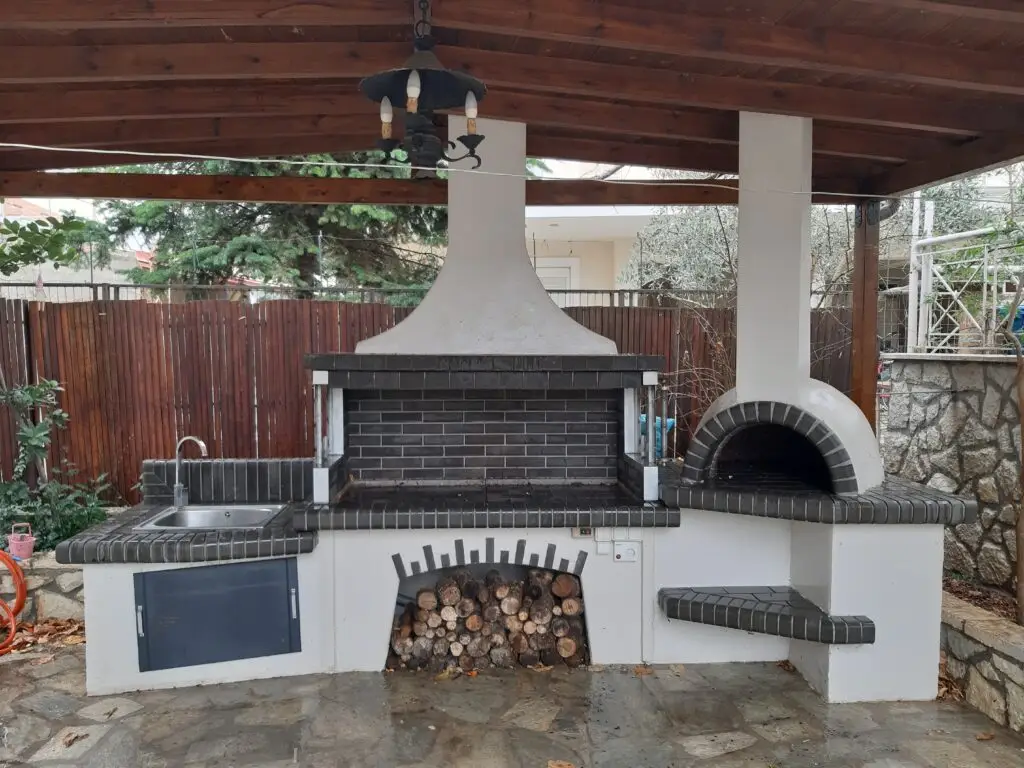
461 372
538 506
116 541
354 362
895 501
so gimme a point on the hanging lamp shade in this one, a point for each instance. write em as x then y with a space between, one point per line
440 88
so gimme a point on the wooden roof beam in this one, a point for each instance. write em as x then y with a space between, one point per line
829 139
309 190
682 155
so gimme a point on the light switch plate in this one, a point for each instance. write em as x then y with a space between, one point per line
604 547
627 551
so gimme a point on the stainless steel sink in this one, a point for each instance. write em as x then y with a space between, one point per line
212 517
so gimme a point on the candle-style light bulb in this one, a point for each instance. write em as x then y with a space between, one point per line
471 112
412 91
387 116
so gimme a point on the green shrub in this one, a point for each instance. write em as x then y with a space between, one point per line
56 510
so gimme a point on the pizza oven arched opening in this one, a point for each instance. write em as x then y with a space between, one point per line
770 457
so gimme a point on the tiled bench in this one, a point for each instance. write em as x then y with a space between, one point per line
780 611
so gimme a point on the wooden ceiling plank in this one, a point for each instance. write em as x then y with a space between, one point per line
1004 11
626 29
506 72
98 14
974 157
735 40
127 134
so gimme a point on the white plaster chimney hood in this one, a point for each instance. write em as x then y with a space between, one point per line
488 299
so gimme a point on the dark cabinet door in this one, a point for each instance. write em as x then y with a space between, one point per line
215 613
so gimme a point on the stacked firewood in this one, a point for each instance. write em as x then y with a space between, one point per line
476 623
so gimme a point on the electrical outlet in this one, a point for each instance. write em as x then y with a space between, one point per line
627 551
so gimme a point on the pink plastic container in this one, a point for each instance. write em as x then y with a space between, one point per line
20 545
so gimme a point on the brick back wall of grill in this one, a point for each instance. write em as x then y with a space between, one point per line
482 435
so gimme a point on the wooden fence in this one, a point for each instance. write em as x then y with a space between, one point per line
138 375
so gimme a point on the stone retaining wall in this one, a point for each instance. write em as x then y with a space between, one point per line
54 590
985 657
953 424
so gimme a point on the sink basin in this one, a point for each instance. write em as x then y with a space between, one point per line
212 517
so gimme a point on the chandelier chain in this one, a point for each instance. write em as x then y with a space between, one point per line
422 27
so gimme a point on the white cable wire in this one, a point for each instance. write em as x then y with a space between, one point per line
731 184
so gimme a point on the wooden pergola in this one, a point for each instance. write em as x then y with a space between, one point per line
903 93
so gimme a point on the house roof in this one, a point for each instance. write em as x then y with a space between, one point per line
18 208
904 92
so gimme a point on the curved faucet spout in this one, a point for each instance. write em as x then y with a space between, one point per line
180 492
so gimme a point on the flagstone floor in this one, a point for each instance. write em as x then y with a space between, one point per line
723 716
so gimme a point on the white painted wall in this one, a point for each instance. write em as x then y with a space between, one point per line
593 260
713 549
894 574
112 651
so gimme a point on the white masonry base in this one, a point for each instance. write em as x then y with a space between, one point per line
893 575
348 587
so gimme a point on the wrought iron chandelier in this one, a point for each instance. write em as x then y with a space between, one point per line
425 86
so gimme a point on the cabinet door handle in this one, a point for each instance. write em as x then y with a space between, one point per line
295 603
139 625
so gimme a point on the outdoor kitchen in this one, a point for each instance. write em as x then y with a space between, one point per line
485 491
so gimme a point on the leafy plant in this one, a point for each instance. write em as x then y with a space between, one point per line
42 241
56 510
56 507
36 415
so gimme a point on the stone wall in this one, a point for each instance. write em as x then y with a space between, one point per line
953 424
985 657
54 590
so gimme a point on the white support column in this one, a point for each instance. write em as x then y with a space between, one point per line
487 299
773 325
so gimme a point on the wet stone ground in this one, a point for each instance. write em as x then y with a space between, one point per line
722 716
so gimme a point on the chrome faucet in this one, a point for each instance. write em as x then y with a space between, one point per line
180 491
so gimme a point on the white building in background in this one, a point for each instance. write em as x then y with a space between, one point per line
581 249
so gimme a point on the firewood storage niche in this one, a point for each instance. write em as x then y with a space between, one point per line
484 616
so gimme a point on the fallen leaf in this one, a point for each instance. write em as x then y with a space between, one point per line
73 738
541 668
448 674
786 664
110 713
472 673
985 736
74 640
42 660
641 669
560 764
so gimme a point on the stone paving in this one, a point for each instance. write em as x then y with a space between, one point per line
722 716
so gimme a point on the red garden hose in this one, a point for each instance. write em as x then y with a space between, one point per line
9 614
